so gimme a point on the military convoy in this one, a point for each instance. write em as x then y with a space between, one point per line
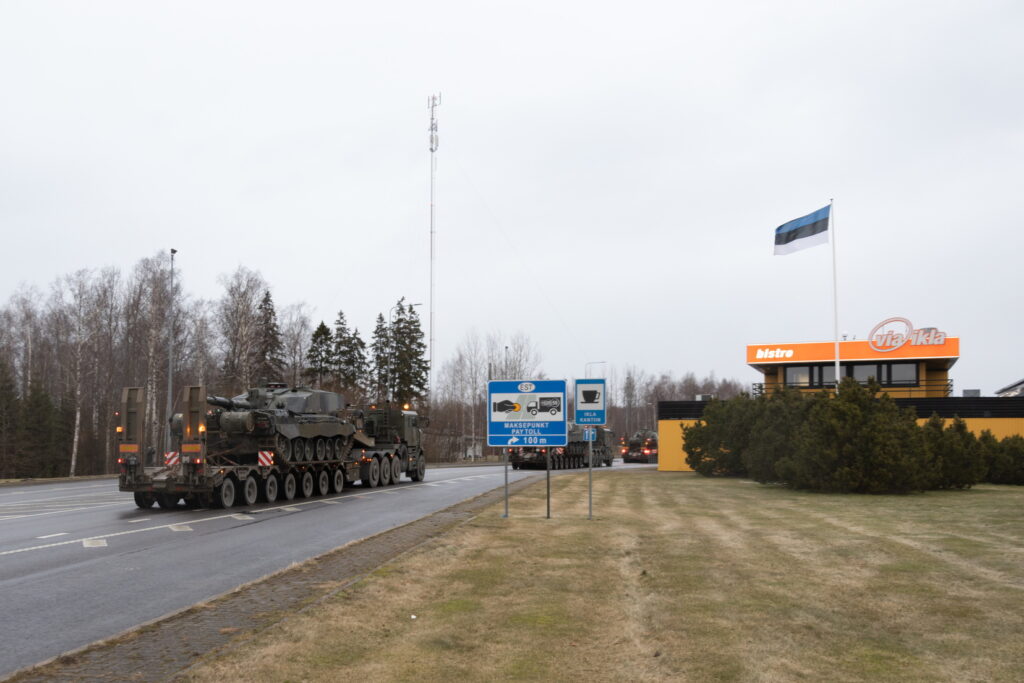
641 447
573 456
273 443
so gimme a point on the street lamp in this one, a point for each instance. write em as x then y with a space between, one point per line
586 367
170 358
391 356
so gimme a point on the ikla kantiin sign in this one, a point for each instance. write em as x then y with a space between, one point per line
526 413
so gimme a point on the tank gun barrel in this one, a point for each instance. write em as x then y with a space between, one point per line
227 403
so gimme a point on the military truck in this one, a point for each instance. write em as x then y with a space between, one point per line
573 456
272 443
641 447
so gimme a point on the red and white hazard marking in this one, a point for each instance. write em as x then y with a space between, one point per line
171 459
266 457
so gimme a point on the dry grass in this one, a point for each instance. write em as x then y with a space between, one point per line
679 578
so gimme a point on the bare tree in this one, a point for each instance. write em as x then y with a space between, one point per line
296 332
238 322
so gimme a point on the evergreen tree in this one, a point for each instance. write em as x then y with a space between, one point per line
320 354
268 360
380 360
409 364
350 367
959 462
39 426
9 409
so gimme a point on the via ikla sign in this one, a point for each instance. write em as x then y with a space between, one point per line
895 333
526 413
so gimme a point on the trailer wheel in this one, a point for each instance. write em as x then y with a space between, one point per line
338 480
167 501
144 500
396 470
370 473
323 483
420 473
306 490
385 471
288 487
250 490
269 489
224 495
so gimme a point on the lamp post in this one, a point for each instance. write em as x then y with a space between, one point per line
391 339
170 359
586 367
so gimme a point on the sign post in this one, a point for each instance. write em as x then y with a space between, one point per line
526 414
590 410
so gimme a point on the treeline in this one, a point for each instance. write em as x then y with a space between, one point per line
66 354
458 425
856 442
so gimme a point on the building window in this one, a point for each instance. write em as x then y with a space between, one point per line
862 373
903 374
798 376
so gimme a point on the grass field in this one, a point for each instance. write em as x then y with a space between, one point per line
679 577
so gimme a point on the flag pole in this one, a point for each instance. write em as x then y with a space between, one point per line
835 287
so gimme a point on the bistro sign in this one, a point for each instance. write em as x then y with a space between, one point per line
894 333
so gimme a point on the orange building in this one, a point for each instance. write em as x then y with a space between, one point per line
907 362
911 364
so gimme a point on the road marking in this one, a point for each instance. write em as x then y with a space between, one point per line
94 543
136 521
180 527
330 502
244 518
63 533
290 508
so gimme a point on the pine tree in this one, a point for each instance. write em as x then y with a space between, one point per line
410 367
380 360
320 354
350 368
268 361
9 409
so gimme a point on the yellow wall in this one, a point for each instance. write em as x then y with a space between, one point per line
1001 427
671 456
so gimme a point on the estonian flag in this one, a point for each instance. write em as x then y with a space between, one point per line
806 231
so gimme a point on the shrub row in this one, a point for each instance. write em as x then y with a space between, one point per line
859 441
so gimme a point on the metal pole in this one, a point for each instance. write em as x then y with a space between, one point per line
432 102
506 482
548 458
835 287
590 477
170 361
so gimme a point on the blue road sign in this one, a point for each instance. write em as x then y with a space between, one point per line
590 434
590 402
526 413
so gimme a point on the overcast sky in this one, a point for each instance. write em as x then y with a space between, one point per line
609 176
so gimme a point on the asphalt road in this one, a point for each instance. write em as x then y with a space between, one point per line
79 562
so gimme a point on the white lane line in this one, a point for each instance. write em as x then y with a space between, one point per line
62 488
294 507
244 518
330 502
62 533
54 512
136 521
94 543
180 527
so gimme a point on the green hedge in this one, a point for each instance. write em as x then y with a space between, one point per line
859 441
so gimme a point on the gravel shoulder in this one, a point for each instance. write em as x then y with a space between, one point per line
167 647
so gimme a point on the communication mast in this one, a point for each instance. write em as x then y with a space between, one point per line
432 103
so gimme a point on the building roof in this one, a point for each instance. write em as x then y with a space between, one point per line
1015 389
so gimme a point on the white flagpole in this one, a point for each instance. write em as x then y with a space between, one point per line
835 287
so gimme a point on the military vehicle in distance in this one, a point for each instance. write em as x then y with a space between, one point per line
573 456
273 443
641 447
